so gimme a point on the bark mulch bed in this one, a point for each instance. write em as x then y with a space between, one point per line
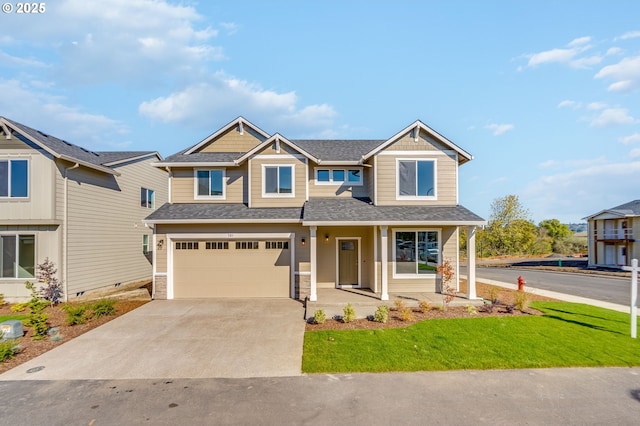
57 318
485 291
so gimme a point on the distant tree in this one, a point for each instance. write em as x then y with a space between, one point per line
509 231
556 229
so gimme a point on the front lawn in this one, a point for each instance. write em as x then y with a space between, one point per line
568 335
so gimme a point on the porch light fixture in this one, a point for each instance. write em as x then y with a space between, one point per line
326 237
303 241
160 244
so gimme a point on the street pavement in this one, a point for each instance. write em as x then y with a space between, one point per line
571 396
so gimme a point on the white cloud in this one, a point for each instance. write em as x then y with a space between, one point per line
48 113
499 129
625 74
628 140
548 164
612 117
554 55
569 104
634 153
614 51
579 41
595 106
567 55
628 35
226 97
230 27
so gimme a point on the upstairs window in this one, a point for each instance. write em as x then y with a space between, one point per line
338 176
278 181
14 178
416 179
210 183
147 198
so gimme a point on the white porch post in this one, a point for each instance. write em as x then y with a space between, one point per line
313 293
384 259
471 263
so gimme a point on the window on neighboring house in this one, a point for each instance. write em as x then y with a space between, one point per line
339 176
145 244
18 256
147 198
14 178
210 183
417 253
278 180
416 179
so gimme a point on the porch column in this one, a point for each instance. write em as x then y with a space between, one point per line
384 259
471 263
313 293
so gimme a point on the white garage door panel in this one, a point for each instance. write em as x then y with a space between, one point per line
231 272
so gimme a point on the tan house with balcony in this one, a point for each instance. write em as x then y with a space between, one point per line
613 234
81 209
252 214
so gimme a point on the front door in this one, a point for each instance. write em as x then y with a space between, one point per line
609 254
348 259
622 255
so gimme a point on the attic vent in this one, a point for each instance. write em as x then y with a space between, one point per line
43 134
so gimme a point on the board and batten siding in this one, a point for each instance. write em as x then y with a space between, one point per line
183 185
39 206
105 226
299 181
233 141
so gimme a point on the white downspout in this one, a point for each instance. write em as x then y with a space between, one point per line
65 248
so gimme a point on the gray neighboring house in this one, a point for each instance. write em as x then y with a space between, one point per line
257 215
614 235
81 209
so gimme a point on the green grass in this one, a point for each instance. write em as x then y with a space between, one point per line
4 318
567 335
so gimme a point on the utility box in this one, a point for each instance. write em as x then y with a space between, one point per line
11 329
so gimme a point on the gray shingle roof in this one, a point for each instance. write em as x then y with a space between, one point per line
630 208
337 150
70 150
353 210
203 157
205 212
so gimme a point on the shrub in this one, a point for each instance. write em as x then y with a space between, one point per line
18 307
406 314
104 307
381 314
1 299
51 289
349 313
36 318
521 300
7 350
425 306
448 292
399 304
76 314
471 310
493 294
319 316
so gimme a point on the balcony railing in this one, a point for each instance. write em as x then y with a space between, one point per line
616 234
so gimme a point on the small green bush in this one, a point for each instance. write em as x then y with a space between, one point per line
425 306
319 316
381 314
1 299
104 307
76 314
36 318
7 350
521 300
18 307
399 304
349 313
471 310
406 314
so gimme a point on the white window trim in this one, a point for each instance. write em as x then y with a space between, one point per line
196 196
35 252
9 160
417 197
415 276
278 195
339 183
153 203
147 245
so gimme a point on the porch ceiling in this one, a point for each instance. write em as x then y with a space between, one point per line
353 211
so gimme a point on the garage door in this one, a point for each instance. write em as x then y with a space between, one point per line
241 268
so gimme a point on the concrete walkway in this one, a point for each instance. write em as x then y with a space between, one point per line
167 339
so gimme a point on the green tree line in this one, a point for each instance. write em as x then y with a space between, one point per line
511 232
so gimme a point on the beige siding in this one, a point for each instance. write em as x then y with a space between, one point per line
339 190
424 143
105 225
233 141
183 184
39 207
47 245
327 252
256 185
446 180
161 252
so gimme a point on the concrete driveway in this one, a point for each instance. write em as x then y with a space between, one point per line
167 339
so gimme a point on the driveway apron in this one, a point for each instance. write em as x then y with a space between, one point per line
167 339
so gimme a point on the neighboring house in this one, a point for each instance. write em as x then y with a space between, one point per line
613 235
81 209
258 215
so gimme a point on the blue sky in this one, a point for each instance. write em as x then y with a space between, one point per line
544 94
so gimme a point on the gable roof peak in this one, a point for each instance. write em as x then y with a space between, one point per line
240 121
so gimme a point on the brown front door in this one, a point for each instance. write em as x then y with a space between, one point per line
348 262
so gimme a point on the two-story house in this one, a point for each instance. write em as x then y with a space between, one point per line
614 235
257 215
81 209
